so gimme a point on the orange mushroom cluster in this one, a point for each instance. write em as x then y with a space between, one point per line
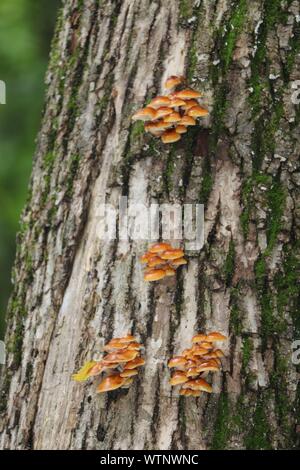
169 116
120 364
196 362
162 260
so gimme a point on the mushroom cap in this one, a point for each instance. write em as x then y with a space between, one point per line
114 346
163 125
112 382
176 102
187 121
215 336
199 338
159 247
155 261
179 261
177 361
172 254
173 81
198 384
162 112
187 94
137 362
145 257
205 345
85 372
154 275
110 365
189 393
208 366
187 352
197 111
179 377
169 271
218 353
122 356
189 104
199 351
128 373
192 372
170 136
180 129
173 117
152 128
134 346
127 339
159 101
145 114
128 382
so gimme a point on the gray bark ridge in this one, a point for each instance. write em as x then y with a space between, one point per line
72 291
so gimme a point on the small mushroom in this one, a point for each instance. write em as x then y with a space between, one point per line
169 271
218 353
189 393
169 137
177 361
128 382
198 384
154 275
162 112
134 346
189 104
119 357
112 382
155 261
114 345
199 351
180 129
137 362
187 121
198 338
179 261
145 257
176 103
192 372
145 114
187 94
159 247
173 81
172 254
159 101
205 345
197 111
173 117
153 128
208 367
128 373
179 377
215 336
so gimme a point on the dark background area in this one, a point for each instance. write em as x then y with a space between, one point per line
26 29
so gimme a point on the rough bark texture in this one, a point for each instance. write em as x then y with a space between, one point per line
71 290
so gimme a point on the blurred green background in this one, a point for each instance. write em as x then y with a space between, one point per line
26 29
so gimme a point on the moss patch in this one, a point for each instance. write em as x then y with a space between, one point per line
222 429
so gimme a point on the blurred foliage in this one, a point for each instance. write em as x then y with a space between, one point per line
26 28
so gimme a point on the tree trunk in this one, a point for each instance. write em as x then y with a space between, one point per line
73 290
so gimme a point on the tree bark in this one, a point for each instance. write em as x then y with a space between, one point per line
72 290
